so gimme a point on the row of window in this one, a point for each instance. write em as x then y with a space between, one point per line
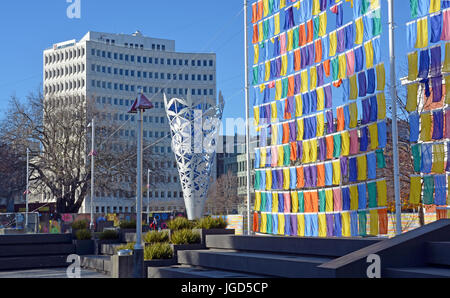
129 102
66 86
149 75
68 70
151 60
65 55
157 47
152 194
148 89
121 209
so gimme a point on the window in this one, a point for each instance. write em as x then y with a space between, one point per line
210 63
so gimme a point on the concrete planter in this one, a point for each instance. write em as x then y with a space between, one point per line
180 247
158 263
84 247
205 232
99 243
124 232
101 225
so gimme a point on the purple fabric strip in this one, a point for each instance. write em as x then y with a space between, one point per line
320 72
328 96
330 225
297 83
322 149
307 176
436 84
310 48
344 167
340 40
330 123
292 131
299 150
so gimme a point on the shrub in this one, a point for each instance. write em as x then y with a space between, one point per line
108 235
128 224
125 246
158 251
156 237
180 223
185 236
80 224
83 234
211 223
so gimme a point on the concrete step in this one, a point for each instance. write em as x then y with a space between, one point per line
438 253
333 247
183 271
417 272
276 265
36 250
33 262
35 239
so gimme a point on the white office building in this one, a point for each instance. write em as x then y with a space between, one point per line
112 68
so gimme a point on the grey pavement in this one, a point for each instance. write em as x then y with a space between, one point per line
49 273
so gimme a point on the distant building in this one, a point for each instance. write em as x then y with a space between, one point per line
112 68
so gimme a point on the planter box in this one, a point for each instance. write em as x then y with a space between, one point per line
101 225
179 247
99 243
204 233
124 232
109 249
84 247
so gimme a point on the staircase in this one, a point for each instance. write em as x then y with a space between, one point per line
230 256
437 264
35 251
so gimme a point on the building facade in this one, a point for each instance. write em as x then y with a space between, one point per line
111 69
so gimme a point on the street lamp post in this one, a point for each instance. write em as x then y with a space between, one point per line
139 106
28 188
92 154
148 196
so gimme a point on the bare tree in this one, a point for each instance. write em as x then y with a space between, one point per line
61 168
223 194
12 174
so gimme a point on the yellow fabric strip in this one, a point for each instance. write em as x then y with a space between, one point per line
354 197
256 53
435 6
281 224
336 172
278 89
304 81
411 102
280 156
323 24
342 66
333 43
381 101
286 179
274 202
362 167
438 159
273 112
267 71
320 99
422 33
382 193
294 201
353 87
353 110
329 200
263 158
313 150
313 76
284 64
381 77
374 222
425 132
300 129
274 134
322 225
359 31
269 179
369 54
256 115
346 230
415 192
413 69
373 131
257 201
345 143
300 225
276 20
320 124
298 106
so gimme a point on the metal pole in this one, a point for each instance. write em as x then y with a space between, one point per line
398 204
28 187
247 116
91 226
148 196
138 247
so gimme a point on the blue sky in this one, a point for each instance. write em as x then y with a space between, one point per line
29 27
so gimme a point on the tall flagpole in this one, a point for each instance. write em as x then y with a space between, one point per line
28 188
247 116
91 225
398 204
